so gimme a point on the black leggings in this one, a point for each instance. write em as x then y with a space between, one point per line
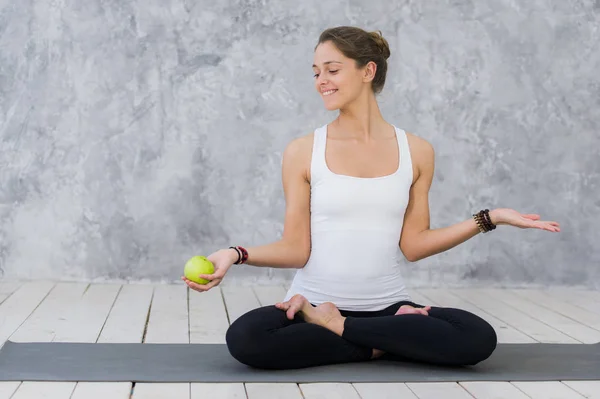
265 338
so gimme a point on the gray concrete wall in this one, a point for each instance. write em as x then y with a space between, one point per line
135 134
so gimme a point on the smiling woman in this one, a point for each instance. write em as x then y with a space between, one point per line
356 45
356 193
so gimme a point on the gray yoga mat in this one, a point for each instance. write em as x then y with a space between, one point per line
213 363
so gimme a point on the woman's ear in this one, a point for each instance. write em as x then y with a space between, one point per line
369 72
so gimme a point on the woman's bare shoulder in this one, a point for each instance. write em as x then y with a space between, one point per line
298 153
301 144
418 143
421 153
299 149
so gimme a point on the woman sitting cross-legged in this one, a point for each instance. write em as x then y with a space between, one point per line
356 193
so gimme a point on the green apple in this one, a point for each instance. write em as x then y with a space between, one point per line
196 266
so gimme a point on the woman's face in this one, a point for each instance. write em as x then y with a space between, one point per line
337 79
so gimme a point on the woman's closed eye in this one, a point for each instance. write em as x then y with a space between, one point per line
316 75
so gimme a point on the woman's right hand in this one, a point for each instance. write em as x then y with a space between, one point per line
222 260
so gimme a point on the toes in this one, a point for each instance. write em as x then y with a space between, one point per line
291 312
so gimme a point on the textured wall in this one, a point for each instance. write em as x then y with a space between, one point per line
135 134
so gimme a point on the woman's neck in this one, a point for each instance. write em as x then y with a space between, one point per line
361 120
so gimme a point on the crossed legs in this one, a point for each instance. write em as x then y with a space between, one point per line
297 334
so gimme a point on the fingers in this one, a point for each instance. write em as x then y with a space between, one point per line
210 277
548 226
201 287
291 312
544 225
531 221
290 309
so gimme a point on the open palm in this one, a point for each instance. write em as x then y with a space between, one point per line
523 221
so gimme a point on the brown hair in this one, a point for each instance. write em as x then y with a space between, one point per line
361 46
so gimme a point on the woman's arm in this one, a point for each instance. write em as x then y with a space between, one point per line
418 241
293 249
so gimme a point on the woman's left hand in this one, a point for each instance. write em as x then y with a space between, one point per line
523 221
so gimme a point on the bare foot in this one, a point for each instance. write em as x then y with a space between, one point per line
325 315
407 309
377 353
293 306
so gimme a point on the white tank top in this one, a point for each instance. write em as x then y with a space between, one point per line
355 260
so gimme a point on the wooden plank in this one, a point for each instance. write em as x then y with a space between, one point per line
84 321
162 391
589 389
17 308
126 321
44 390
269 294
574 293
417 297
208 317
493 390
513 317
102 390
208 324
328 390
384 391
505 332
436 390
273 391
547 390
584 299
81 321
545 299
7 388
570 327
239 300
42 324
168 321
218 391
8 287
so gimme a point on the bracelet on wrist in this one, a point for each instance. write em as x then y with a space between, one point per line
484 221
242 255
238 253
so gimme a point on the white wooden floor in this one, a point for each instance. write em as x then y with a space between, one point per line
46 311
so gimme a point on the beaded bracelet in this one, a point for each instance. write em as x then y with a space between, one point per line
488 219
484 221
242 255
239 255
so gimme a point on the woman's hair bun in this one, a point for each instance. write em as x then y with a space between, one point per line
382 44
